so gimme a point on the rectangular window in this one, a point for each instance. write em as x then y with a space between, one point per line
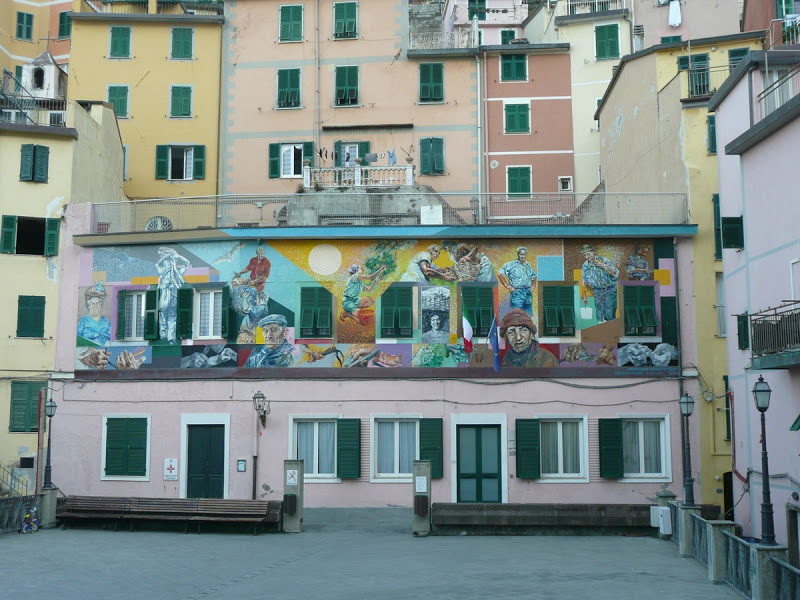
643 448
476 8
743 331
732 232
479 304
669 39
180 163
291 23
711 126
180 101
722 318
518 181
130 315
17 78
697 67
397 312
182 43
736 56
316 307
328 446
120 45
431 82
32 236
64 25
208 313
783 8
346 86
34 163
30 316
25 405
431 152
640 310
345 19
286 160
118 98
288 88
25 26
717 228
126 447
561 448
606 40
514 67
517 118
558 310
506 35
396 447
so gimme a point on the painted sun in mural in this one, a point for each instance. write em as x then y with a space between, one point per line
325 259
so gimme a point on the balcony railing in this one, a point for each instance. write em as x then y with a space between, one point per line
783 89
367 207
496 12
142 7
358 176
19 106
704 81
585 7
442 40
776 330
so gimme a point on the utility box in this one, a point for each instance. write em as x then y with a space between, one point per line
421 495
292 507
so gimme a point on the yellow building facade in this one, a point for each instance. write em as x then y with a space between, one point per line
29 28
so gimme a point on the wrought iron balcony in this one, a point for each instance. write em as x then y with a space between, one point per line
776 330
144 7
585 7
700 82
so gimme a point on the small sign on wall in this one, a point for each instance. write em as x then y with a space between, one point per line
291 477
170 469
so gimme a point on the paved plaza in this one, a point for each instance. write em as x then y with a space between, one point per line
337 560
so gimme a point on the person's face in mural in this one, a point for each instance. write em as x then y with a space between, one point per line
434 252
522 255
519 338
436 322
259 253
94 306
274 335
589 255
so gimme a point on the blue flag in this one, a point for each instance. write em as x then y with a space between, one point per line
495 342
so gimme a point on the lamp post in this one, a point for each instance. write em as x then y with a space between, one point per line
261 407
49 410
687 407
761 394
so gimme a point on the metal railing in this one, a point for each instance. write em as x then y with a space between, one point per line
18 105
357 176
442 40
699 539
10 484
737 572
782 32
141 7
500 11
584 7
776 330
704 81
787 580
12 511
778 93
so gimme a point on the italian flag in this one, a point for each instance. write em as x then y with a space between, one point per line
467 326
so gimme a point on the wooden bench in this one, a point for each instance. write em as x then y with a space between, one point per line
94 507
162 509
257 512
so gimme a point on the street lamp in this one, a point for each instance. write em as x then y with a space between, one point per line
761 394
49 410
687 407
261 407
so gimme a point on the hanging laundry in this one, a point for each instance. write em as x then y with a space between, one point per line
675 13
392 157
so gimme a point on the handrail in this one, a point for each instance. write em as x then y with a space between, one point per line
18 486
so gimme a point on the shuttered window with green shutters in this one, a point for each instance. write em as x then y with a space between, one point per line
34 163
64 25
711 126
476 8
25 26
518 118
479 304
610 438
528 449
180 163
431 82
345 20
558 310
346 86
180 101
37 237
640 310
506 35
717 227
151 314
118 98
606 40
519 181
286 160
291 23
431 445
732 232
30 316
397 312
24 415
185 313
288 88
431 152
743 331
316 307
126 447
182 43
348 448
514 67
120 46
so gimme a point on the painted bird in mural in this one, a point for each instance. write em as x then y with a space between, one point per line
228 256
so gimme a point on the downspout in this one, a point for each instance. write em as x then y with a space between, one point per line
481 106
630 32
219 108
684 431
317 124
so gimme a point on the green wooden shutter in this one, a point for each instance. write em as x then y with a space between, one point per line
30 316
307 312
348 448
743 331
116 442
324 313
507 35
528 449
199 160
274 161
51 229
162 162
182 42
610 437
425 86
732 232
437 82
717 227
308 152
126 447
712 133
389 307
151 314
8 237
291 26
633 317
426 159
118 98
431 445
121 295
181 101
41 163
185 312
26 163
437 155
363 150
19 419
120 42
485 298
338 159
225 326
519 181
136 459
669 320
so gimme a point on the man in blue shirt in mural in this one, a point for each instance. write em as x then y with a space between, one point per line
276 351
519 278
599 274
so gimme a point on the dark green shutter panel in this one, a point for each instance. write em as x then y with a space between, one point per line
225 327
388 312
121 314
177 43
151 314
41 161
743 331
308 153
437 152
683 63
630 299
550 304
528 449
425 91
405 312
732 232
338 159
348 448
425 156
199 159
613 41
30 316
437 82
431 445
185 312
274 161
712 134
324 317
26 163
717 227
18 420
137 448
162 162
8 237
669 320
363 150
116 443
52 227
610 434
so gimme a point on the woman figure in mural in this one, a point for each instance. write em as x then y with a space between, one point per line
93 326
470 264
436 334
421 267
352 302
276 351
171 267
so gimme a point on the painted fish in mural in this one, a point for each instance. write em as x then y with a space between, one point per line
230 254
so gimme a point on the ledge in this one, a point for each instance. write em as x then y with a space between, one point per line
780 360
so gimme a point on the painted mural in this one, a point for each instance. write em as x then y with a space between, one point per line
520 307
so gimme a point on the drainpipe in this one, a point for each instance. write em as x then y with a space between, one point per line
630 32
255 453
684 429
317 124
220 99
481 102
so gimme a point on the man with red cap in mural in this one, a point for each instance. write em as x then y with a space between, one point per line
523 350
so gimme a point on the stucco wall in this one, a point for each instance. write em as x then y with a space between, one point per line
698 20
98 157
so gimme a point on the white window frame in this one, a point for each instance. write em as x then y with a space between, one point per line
500 419
204 419
396 477
130 37
583 476
666 463
171 33
564 179
198 293
719 307
188 162
61 118
302 23
291 148
517 102
308 475
146 476
530 171
127 115
191 101
134 321
333 21
619 40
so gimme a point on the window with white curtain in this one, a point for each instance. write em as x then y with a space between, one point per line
315 445
209 314
134 316
395 447
562 448
643 448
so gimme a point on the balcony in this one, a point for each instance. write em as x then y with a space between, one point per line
775 337
152 7
336 177
496 12
785 87
572 8
702 82
20 107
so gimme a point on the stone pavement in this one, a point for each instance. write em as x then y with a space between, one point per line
343 559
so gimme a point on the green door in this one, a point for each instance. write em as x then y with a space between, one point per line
478 463
206 469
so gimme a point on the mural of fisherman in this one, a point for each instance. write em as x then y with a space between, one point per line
600 275
276 351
